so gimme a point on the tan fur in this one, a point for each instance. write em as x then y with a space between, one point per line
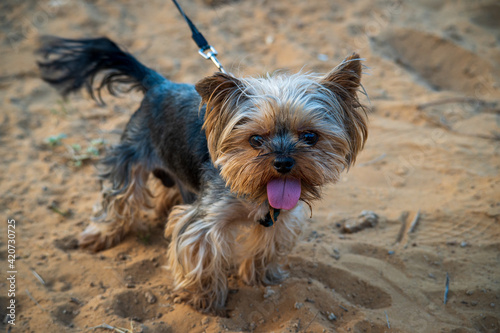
165 199
263 250
198 256
119 214
203 249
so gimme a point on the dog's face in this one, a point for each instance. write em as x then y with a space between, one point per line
281 138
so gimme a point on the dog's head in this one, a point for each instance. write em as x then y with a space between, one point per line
282 137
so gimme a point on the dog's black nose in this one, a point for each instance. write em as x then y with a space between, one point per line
283 164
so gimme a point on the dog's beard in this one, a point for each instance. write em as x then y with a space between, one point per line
279 109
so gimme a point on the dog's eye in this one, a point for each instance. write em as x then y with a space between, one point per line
309 138
256 141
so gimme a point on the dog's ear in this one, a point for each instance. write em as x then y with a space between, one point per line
221 93
344 81
217 88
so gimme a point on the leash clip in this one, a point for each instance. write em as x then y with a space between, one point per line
207 51
210 53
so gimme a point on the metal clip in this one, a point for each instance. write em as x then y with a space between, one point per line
211 53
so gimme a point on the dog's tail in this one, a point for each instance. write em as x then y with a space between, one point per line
70 64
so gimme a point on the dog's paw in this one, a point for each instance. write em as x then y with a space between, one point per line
202 303
255 275
98 237
274 275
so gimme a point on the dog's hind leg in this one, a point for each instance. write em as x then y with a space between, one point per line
120 213
127 167
166 194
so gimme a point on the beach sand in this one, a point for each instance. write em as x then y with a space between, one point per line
433 156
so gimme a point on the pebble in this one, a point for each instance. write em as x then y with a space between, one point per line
269 292
322 57
367 219
150 298
336 254
298 305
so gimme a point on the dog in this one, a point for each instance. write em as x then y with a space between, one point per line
237 160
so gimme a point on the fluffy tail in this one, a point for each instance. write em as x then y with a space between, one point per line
70 64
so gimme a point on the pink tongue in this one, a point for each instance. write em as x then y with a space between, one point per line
283 193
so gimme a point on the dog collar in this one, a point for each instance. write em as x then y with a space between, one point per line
270 218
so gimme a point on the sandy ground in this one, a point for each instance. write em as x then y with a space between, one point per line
433 82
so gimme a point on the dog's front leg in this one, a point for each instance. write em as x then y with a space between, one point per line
265 248
198 257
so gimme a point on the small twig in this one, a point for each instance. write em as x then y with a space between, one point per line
38 277
113 328
76 301
34 300
402 218
343 308
447 288
311 321
387 318
414 223
375 160
54 208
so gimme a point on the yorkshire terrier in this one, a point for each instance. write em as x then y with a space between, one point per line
233 156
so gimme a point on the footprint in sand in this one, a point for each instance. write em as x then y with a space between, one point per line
133 304
353 289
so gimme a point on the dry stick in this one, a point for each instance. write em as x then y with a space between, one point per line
387 318
414 223
403 217
56 209
447 288
34 300
38 277
109 327
375 160
311 321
